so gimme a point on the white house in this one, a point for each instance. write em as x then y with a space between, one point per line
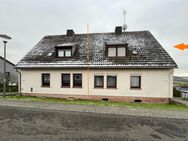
117 66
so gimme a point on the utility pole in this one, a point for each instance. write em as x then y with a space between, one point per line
4 73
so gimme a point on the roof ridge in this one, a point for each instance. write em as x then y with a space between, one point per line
94 33
7 61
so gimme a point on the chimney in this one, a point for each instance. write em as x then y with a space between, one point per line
70 32
118 30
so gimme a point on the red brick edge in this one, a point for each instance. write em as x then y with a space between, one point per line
109 98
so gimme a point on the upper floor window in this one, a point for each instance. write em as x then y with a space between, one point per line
121 51
112 52
116 51
64 53
45 80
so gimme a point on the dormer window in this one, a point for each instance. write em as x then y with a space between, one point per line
65 50
116 51
121 51
112 52
64 53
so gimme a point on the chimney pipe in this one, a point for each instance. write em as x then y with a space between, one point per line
118 30
70 32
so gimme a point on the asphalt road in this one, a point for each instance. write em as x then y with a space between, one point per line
21 124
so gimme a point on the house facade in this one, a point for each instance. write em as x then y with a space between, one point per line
117 66
11 73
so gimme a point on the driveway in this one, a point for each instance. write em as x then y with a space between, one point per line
27 124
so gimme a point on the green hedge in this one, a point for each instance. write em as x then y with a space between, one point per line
9 88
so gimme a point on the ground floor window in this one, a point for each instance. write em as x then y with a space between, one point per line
135 82
77 80
111 81
45 80
98 81
65 80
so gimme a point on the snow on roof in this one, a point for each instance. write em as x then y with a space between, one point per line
115 42
150 54
66 44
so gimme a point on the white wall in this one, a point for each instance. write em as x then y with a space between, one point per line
154 83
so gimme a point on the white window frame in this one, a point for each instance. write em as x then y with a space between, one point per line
64 52
118 54
110 52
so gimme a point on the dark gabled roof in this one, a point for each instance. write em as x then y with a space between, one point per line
7 61
150 54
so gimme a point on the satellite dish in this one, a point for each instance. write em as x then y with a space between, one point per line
124 27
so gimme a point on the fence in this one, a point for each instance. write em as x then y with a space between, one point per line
184 95
9 88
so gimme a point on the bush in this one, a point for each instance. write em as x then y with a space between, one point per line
9 88
176 93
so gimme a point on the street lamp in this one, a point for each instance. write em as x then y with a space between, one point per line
6 37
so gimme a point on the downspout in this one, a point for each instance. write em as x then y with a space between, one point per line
170 85
19 81
88 59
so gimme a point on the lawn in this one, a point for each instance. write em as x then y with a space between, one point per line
170 106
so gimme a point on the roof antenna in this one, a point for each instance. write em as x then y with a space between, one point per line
124 26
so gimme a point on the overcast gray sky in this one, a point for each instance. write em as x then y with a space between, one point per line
27 21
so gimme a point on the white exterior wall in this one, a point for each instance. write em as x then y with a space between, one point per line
154 83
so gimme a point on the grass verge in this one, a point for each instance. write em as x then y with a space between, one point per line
170 106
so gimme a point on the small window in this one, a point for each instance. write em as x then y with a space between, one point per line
121 51
111 81
64 53
112 52
65 78
49 53
77 80
45 80
135 81
7 76
99 81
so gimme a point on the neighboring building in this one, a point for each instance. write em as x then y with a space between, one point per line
11 73
121 66
183 90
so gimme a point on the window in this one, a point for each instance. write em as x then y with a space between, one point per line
7 76
111 51
45 80
64 53
49 53
98 81
111 81
65 80
135 81
77 80
121 51
116 51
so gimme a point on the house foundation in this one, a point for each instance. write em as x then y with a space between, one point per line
103 98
